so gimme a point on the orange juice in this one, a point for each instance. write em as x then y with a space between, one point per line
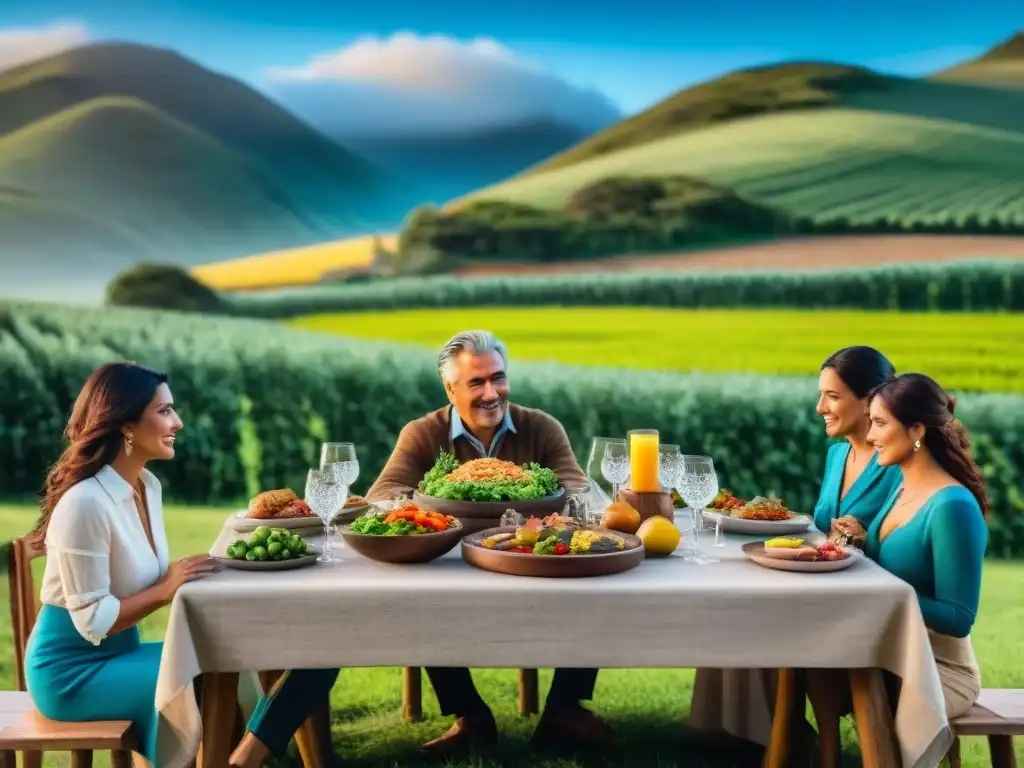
643 460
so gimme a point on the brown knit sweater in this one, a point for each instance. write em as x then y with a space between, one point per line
539 437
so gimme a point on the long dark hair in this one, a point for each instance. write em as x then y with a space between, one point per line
914 398
862 369
115 394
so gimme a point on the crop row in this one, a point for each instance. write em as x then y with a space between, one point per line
961 286
258 399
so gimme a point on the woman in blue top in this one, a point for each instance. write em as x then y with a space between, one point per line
932 531
855 485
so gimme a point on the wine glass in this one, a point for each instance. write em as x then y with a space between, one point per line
324 494
593 467
670 466
341 459
615 466
698 486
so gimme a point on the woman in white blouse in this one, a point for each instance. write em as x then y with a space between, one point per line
107 566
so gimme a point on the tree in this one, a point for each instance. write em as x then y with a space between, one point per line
162 286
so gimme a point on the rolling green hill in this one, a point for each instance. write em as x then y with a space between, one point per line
115 153
1001 67
100 185
335 184
826 142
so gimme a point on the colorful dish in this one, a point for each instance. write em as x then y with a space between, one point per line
555 535
798 556
487 480
406 520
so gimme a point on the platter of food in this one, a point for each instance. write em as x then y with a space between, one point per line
479 491
268 549
553 547
281 508
760 515
796 554
407 534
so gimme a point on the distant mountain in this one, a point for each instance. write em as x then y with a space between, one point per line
114 153
1001 66
452 164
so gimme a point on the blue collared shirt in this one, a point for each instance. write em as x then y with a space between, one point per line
459 430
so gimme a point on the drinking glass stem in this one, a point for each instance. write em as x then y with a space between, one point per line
327 539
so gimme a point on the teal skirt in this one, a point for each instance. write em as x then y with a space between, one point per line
72 680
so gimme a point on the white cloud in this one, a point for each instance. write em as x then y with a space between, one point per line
410 82
20 45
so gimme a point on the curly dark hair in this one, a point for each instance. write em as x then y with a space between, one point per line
914 398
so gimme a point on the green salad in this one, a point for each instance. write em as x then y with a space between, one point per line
268 544
487 480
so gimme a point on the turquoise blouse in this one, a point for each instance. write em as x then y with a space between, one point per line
939 552
865 497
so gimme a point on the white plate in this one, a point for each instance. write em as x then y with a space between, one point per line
730 524
754 551
244 524
307 558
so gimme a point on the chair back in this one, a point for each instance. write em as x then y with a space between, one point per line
24 609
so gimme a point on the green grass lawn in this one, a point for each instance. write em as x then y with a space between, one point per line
646 706
961 350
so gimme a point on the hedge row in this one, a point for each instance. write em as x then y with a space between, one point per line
976 285
258 399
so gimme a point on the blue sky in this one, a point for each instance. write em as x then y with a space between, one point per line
633 52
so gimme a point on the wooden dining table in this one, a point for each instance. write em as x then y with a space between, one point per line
665 613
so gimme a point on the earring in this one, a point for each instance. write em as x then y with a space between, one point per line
128 444
917 445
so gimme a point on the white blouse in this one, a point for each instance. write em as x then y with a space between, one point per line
97 551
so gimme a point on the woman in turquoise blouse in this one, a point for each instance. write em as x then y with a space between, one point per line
932 531
855 485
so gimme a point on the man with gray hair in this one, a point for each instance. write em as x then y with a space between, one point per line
480 422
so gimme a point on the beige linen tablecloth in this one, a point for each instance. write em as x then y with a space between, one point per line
665 613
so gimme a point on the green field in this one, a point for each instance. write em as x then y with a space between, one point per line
646 706
858 165
961 350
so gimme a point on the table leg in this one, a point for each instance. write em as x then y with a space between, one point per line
412 694
220 698
529 695
1001 751
314 737
876 731
790 706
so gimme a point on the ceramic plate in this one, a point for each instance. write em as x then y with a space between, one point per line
796 524
308 558
244 524
755 551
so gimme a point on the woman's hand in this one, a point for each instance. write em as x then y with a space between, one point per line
187 569
850 527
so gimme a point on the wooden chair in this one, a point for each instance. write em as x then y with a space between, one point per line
22 728
412 693
999 715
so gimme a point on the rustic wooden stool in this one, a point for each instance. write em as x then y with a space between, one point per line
999 715
22 728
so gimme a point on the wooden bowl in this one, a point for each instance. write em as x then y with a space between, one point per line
480 515
414 548
649 504
551 566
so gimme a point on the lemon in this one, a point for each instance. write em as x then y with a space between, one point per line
783 543
659 536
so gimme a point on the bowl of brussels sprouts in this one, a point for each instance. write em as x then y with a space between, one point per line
269 549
